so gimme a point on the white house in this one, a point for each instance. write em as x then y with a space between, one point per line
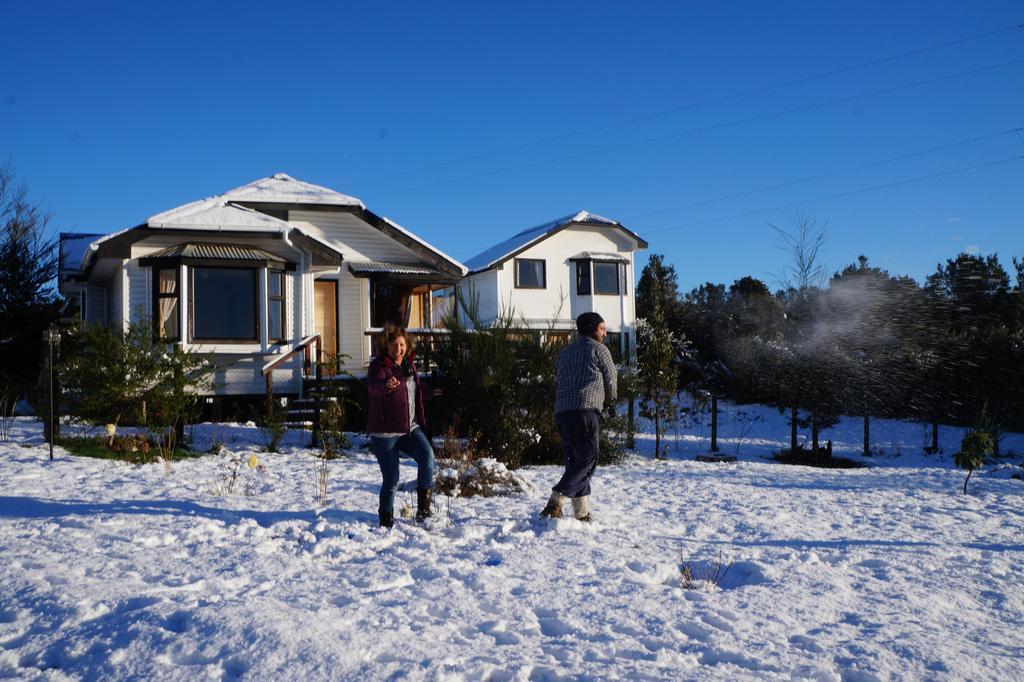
253 274
547 275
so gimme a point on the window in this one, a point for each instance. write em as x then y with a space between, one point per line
606 278
166 293
389 303
275 306
224 304
583 278
530 273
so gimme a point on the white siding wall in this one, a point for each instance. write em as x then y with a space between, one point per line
356 239
483 287
96 304
115 304
241 374
558 300
140 292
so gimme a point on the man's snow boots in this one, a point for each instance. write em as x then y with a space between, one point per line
387 519
424 496
553 509
581 508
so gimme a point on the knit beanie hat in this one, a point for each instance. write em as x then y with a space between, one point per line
587 323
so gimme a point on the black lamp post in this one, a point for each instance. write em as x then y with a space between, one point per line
53 340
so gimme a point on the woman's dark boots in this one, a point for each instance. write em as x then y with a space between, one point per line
387 519
424 496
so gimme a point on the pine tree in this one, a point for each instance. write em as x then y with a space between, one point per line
28 267
657 371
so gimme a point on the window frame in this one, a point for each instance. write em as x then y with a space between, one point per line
280 299
543 272
157 296
618 278
583 267
255 271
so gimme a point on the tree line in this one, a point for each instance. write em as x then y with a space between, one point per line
864 342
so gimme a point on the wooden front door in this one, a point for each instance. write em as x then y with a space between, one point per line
325 319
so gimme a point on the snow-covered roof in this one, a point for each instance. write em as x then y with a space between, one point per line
223 213
72 247
282 188
501 252
462 268
215 213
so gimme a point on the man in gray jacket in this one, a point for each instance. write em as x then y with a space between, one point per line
585 384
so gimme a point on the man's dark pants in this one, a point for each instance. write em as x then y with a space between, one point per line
579 430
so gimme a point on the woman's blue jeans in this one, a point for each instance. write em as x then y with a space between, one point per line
387 451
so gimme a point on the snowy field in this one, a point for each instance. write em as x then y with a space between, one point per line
113 571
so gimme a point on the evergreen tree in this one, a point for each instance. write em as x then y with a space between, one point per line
976 307
658 286
28 268
657 371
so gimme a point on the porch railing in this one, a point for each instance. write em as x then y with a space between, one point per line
311 348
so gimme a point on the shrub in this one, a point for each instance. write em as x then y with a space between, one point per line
465 471
272 425
499 380
974 448
110 376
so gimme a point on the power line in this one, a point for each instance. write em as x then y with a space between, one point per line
821 176
840 195
693 105
708 128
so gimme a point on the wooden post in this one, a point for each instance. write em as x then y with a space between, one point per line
270 396
714 422
867 435
318 394
792 430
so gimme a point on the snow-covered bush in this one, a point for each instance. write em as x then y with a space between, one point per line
485 477
463 470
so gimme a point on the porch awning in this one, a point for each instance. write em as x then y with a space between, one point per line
225 253
398 271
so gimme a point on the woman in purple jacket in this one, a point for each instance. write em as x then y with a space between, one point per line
395 422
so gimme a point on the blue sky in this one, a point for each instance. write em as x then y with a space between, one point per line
468 122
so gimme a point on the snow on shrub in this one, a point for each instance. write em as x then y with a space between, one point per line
486 477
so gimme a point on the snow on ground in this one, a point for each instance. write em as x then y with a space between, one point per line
113 571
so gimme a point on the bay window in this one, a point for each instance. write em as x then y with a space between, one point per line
606 278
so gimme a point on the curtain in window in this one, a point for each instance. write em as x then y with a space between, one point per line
168 322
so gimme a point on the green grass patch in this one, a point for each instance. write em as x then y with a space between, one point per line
97 448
